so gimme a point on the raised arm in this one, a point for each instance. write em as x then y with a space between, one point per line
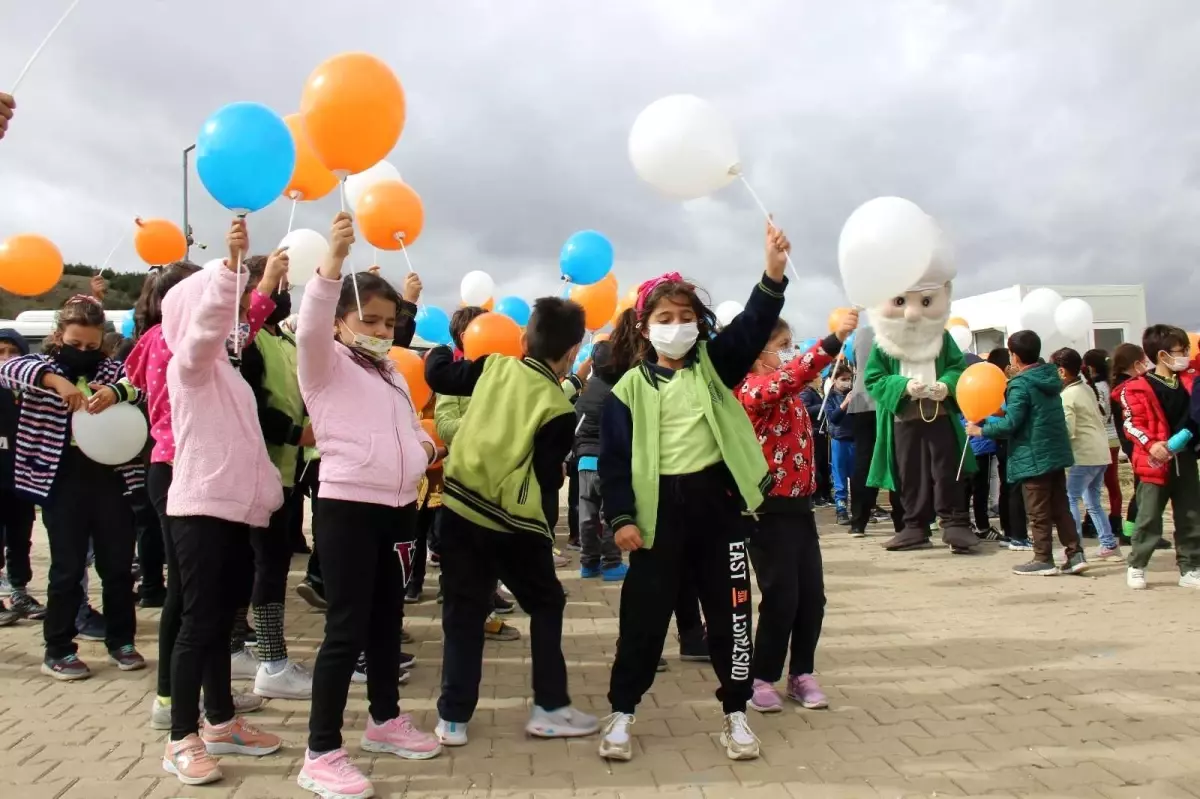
315 346
447 376
203 341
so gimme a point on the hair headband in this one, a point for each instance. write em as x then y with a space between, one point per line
653 283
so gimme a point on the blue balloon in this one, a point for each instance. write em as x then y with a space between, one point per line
515 309
807 344
127 326
585 352
433 325
848 348
245 156
586 257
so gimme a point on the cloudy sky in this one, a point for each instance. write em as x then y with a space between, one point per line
1055 140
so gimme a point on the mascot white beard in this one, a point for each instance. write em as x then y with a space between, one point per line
918 340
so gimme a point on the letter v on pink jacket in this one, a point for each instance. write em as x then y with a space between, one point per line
367 431
221 463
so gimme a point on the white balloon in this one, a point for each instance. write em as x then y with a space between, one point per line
305 250
684 147
477 288
1074 318
962 337
357 185
728 311
113 436
885 247
1037 311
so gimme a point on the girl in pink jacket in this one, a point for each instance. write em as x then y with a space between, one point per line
223 484
373 455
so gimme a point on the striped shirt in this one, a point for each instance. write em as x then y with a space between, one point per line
43 428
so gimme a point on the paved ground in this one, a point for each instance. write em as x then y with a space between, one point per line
948 676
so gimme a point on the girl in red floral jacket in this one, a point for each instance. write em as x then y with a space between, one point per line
783 543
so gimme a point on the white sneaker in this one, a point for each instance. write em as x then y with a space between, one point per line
291 682
160 715
566 722
1190 580
616 743
1135 578
451 733
244 665
736 736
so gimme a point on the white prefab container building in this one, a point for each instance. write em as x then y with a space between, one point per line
1119 311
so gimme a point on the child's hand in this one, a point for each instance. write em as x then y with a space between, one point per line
7 104
778 248
307 439
628 538
238 242
974 430
846 401
99 287
412 287
341 236
1160 451
104 398
66 390
849 324
430 451
275 272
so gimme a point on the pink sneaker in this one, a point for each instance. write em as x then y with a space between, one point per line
334 775
803 688
766 699
399 737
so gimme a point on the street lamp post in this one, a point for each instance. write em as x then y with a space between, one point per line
187 229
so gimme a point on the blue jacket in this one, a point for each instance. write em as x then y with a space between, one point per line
979 444
812 403
839 424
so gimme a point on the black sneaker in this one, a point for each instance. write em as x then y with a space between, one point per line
27 606
153 598
92 629
1088 528
1076 564
990 534
1035 568
857 532
412 597
405 636
127 658
407 661
8 617
693 646
880 515
502 605
662 665
66 668
1163 544
843 518
313 594
435 560
360 671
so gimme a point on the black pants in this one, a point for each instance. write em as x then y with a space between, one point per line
150 551
978 490
573 500
308 480
786 554
16 537
88 502
212 557
272 562
699 530
426 519
687 606
1013 522
366 554
821 461
158 483
862 496
294 503
927 457
473 558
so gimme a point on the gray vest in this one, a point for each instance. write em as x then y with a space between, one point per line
861 401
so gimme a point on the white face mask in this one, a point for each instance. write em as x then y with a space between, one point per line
674 341
377 348
1177 363
786 355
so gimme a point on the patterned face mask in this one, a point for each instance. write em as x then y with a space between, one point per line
236 342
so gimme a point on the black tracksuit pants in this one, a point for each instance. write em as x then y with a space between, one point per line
158 483
272 562
16 537
88 501
786 554
473 558
699 530
366 558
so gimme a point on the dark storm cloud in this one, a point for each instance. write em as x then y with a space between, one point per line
1055 141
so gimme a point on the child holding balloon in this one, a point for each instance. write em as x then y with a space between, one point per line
679 462
374 453
80 497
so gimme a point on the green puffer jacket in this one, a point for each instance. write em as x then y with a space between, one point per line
1034 424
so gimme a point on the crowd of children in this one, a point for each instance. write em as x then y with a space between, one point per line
697 451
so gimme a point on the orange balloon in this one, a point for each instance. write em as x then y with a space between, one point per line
490 334
836 317
29 265
1194 343
159 241
353 109
980 391
623 305
412 368
599 301
956 321
310 179
389 213
488 305
431 428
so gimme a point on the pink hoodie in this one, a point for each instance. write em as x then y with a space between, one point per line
221 464
367 431
146 368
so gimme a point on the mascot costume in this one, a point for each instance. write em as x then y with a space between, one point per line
911 374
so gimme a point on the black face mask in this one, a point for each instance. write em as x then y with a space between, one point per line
79 363
283 307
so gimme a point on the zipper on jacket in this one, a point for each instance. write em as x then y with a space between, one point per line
523 494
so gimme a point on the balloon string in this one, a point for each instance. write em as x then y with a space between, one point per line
962 459
42 46
404 250
770 221
8 381
112 252
342 194
292 215
237 307
357 300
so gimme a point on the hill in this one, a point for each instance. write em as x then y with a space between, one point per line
123 291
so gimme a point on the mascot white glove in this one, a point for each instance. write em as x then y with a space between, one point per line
938 391
916 389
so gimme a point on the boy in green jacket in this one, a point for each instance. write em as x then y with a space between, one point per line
1039 454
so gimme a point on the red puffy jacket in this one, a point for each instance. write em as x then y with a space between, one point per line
1145 423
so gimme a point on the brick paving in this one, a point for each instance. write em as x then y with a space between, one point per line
947 676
